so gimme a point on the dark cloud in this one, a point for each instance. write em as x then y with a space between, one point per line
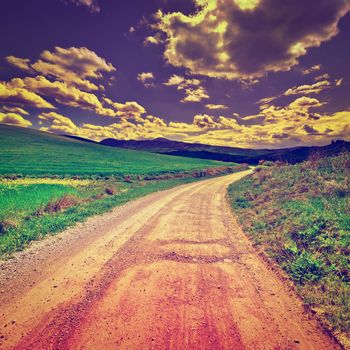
229 40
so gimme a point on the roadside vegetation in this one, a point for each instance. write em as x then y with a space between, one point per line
300 216
49 182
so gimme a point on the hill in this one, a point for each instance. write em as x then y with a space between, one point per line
227 154
33 152
300 216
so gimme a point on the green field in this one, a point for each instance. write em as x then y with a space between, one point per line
49 182
300 216
35 153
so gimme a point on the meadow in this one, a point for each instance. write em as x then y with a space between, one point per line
50 182
299 215
35 153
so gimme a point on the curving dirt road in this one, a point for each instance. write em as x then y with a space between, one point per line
171 270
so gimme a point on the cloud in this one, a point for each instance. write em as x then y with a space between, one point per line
12 109
153 40
309 89
191 87
14 119
312 69
204 121
215 106
247 39
62 93
279 126
21 63
129 109
181 82
146 78
324 76
74 65
91 4
20 96
59 123
195 95
306 89
339 82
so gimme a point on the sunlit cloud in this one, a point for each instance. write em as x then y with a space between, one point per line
191 87
309 89
74 65
278 126
21 63
215 106
195 94
222 40
153 40
20 96
312 69
14 119
129 109
13 109
146 78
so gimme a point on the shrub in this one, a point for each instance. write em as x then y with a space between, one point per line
242 202
306 268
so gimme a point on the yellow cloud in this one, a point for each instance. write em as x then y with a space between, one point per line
294 124
312 69
74 65
21 63
195 95
309 89
215 106
13 109
246 4
19 95
14 119
146 78
193 91
216 40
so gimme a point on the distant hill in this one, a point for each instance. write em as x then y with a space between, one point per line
227 154
33 152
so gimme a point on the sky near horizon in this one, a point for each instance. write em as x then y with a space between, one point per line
240 73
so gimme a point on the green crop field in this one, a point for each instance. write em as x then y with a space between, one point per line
50 182
300 216
35 153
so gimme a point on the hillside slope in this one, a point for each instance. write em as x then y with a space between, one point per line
32 152
227 154
300 216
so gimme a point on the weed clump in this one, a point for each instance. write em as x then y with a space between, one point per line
111 191
62 204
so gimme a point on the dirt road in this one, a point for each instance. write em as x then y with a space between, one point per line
169 271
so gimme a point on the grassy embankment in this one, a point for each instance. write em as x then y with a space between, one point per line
48 182
300 216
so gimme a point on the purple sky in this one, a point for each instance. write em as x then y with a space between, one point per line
195 71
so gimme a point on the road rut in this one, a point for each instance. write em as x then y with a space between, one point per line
172 270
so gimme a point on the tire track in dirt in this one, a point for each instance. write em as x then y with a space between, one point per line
178 273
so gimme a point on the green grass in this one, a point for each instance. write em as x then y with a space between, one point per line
30 226
300 215
49 182
18 201
35 153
